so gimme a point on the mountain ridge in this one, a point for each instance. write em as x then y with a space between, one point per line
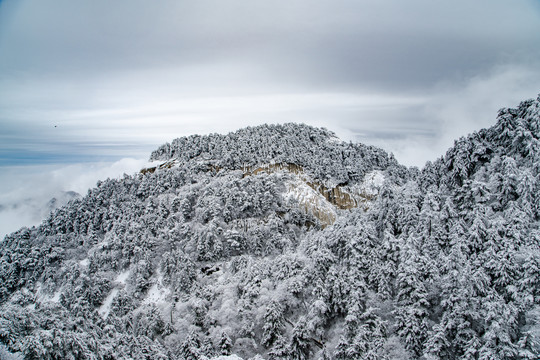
289 143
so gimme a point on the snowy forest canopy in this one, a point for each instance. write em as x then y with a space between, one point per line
223 250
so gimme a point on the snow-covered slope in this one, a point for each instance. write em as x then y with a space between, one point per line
282 242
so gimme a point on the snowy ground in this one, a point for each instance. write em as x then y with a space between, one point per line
228 357
120 281
158 292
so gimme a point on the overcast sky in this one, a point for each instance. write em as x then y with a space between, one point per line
99 80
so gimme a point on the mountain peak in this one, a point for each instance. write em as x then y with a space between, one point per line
318 151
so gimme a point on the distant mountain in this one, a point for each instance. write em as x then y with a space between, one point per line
40 209
283 242
61 199
31 210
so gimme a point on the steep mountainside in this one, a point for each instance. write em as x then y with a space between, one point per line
282 242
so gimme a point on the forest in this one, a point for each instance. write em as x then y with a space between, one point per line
240 244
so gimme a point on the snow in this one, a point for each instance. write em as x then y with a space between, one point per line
227 357
105 308
310 200
42 297
120 281
56 297
157 293
122 277
301 191
84 262
373 181
5 354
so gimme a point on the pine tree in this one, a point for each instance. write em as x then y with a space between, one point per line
412 301
190 349
225 344
363 337
280 350
299 347
273 323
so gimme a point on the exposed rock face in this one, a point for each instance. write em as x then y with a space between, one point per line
271 168
310 201
166 165
321 202
340 197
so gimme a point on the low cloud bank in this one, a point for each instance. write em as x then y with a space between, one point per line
425 130
25 199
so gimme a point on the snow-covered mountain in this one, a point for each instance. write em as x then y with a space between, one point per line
283 242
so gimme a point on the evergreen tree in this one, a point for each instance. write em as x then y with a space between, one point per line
273 323
225 344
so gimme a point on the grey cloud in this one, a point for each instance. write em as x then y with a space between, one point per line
350 43
457 109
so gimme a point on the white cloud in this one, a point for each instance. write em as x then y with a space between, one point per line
424 130
27 190
460 110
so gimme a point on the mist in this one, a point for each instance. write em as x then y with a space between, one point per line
27 190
